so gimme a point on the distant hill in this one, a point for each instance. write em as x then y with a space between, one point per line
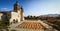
51 15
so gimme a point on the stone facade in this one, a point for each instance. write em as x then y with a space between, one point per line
17 14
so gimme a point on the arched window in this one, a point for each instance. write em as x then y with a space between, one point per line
13 20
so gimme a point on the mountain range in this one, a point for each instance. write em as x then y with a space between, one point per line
51 15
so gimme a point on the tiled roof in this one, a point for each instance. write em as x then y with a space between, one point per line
30 25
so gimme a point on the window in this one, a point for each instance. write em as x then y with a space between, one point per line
13 20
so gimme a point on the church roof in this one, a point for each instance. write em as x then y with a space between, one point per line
31 25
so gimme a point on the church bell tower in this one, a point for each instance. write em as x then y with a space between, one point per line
19 10
16 6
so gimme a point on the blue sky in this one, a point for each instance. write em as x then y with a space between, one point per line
33 7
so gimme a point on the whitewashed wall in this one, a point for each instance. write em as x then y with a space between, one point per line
14 15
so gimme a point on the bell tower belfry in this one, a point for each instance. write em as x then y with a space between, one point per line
16 6
22 14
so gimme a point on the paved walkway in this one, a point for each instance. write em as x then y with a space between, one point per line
44 24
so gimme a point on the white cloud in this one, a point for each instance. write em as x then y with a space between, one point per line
4 9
